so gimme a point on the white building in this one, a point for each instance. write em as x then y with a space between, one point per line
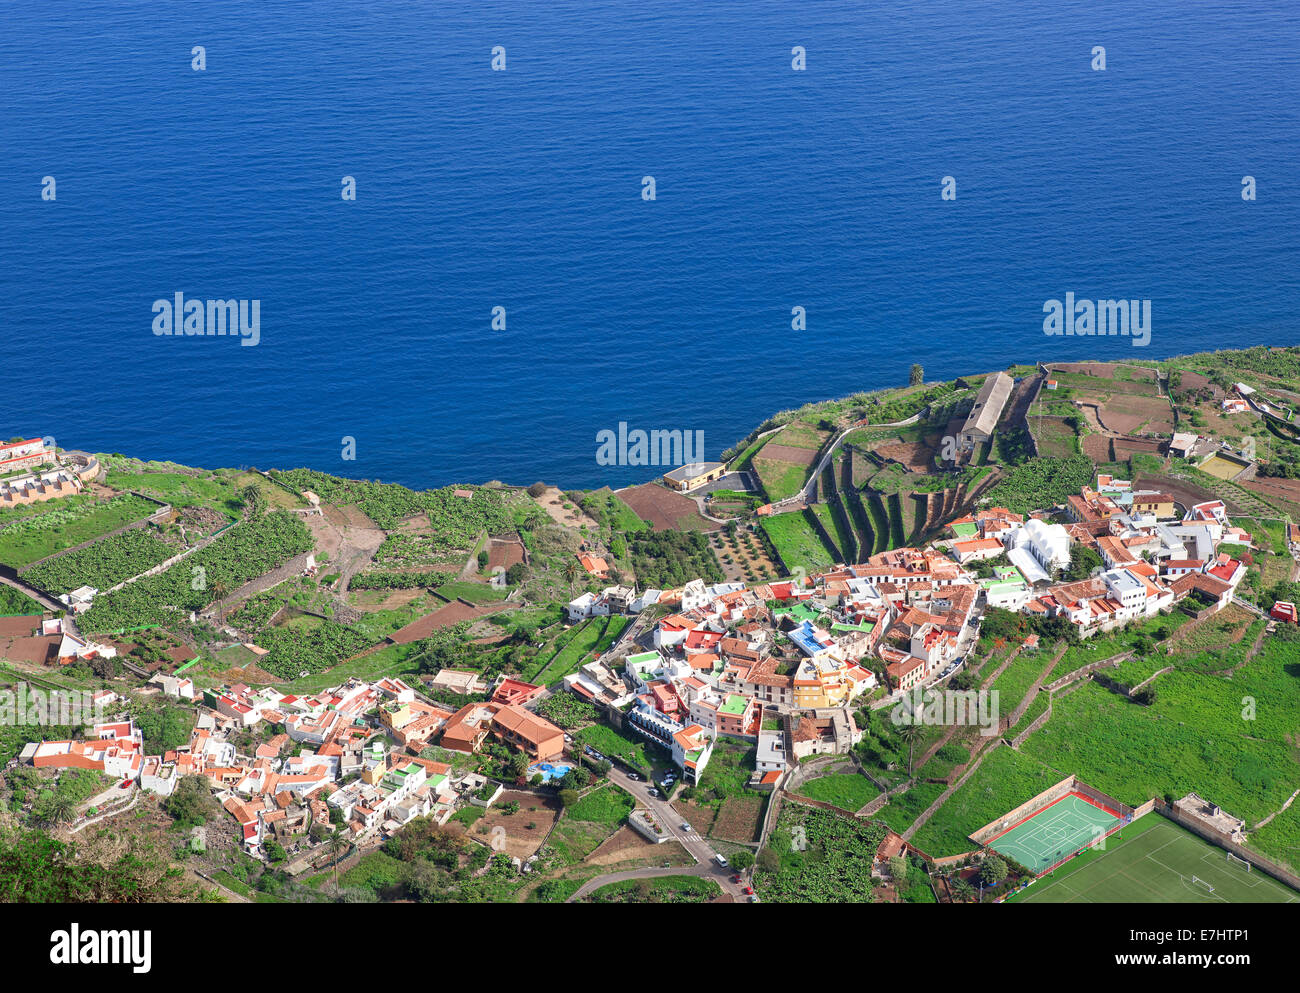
1129 591
1049 544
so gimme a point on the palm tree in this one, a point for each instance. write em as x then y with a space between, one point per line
910 733
62 809
335 844
219 591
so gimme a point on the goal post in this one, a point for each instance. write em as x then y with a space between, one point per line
1238 861
1202 882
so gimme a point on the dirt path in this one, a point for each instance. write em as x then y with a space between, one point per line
1288 803
349 548
259 585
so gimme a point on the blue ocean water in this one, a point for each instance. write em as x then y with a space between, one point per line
522 189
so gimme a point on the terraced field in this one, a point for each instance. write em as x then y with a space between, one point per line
843 532
797 541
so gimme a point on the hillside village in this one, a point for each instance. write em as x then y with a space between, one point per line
533 690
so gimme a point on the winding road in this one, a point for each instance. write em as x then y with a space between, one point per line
696 846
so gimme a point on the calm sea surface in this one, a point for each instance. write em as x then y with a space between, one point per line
522 190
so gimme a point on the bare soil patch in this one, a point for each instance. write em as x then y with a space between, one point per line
443 617
348 547
913 456
785 453
250 674
36 651
19 627
1097 448
552 501
699 817
504 553
1125 447
665 509
1287 489
739 819
518 840
372 601
1129 414
625 844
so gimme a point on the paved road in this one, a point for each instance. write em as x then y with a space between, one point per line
805 494
617 877
698 848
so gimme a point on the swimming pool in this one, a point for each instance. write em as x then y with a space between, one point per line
547 771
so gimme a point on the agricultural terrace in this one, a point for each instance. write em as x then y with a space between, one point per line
103 564
454 522
306 644
256 612
797 541
1004 780
670 559
175 485
1196 736
246 551
814 856
743 555
588 640
28 538
1132 637
902 810
783 463
847 790
611 513
14 603
1043 482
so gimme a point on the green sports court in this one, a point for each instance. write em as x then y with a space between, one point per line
1154 860
1056 832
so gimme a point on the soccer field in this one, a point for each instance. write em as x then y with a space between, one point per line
1055 833
1155 861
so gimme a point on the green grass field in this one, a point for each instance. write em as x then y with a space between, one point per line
848 791
796 542
1154 861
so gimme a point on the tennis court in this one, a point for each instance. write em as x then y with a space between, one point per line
1154 860
1055 833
